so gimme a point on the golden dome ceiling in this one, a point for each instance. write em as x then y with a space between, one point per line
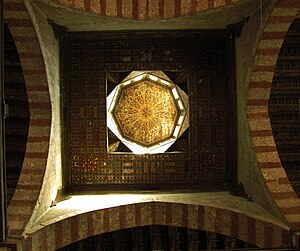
146 112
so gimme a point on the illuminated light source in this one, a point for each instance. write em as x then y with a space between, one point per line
180 120
154 78
126 83
175 93
176 131
146 112
180 104
138 78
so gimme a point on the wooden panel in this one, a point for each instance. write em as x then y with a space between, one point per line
200 63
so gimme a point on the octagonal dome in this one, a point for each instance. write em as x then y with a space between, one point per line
146 112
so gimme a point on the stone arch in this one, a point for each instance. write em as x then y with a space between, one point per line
235 224
145 9
260 85
34 164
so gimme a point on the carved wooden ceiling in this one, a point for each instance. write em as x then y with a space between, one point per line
146 112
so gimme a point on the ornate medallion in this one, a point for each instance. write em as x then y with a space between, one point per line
146 112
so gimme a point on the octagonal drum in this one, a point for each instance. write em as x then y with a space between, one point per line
146 112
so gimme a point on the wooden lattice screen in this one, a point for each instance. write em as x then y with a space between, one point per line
199 62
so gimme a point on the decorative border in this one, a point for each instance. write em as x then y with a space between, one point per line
234 224
32 174
257 110
144 9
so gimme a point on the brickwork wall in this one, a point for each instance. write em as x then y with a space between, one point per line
257 110
234 224
32 174
210 219
144 9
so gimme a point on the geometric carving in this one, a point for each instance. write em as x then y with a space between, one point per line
204 155
147 113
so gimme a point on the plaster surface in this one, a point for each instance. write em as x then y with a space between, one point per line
218 18
248 173
86 203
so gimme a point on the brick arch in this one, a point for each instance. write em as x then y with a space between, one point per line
145 9
208 218
260 85
31 177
